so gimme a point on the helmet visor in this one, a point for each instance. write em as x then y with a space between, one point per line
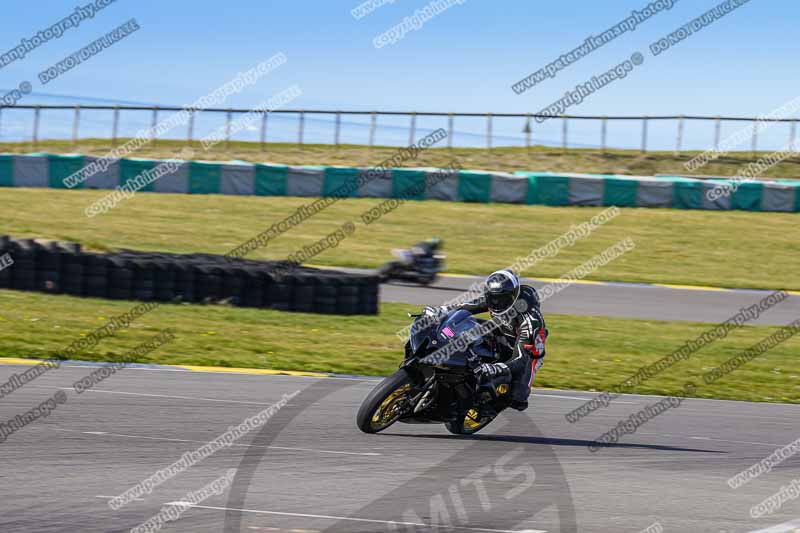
500 302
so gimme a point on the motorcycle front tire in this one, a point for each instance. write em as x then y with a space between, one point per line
393 389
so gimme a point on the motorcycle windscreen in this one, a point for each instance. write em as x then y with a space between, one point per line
420 334
457 324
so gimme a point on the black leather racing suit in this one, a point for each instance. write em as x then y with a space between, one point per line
424 249
520 339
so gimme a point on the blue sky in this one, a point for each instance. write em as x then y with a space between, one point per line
465 59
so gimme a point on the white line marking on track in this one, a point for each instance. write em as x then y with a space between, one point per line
112 497
787 527
368 520
583 399
147 395
737 441
710 439
786 421
121 435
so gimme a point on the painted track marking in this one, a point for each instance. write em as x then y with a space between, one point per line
166 439
351 519
585 399
787 527
147 395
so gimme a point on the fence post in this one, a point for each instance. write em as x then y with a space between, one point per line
372 125
228 119
793 136
338 123
36 114
75 119
412 132
717 133
301 126
489 131
645 121
528 134
190 133
264 130
564 132
153 136
679 142
603 133
754 146
115 126
449 131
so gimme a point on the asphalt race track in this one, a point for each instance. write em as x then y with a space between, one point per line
622 300
310 470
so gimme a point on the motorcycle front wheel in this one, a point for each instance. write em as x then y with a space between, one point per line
386 403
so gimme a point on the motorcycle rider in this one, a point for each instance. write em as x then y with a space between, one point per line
421 250
520 337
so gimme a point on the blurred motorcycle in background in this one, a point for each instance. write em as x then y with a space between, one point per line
421 264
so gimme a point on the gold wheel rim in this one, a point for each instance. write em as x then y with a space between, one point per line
473 420
387 412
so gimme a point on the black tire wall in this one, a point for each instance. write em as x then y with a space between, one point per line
63 268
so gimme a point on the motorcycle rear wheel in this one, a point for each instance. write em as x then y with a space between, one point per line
383 406
471 423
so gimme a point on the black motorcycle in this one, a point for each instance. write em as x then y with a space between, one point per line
436 381
422 270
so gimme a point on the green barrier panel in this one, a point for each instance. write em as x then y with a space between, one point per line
532 196
62 166
129 169
474 187
271 180
620 192
747 196
6 170
204 178
409 184
340 182
553 190
687 194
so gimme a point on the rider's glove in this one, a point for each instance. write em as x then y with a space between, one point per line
433 311
491 371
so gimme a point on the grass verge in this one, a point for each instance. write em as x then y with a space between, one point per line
717 248
586 353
